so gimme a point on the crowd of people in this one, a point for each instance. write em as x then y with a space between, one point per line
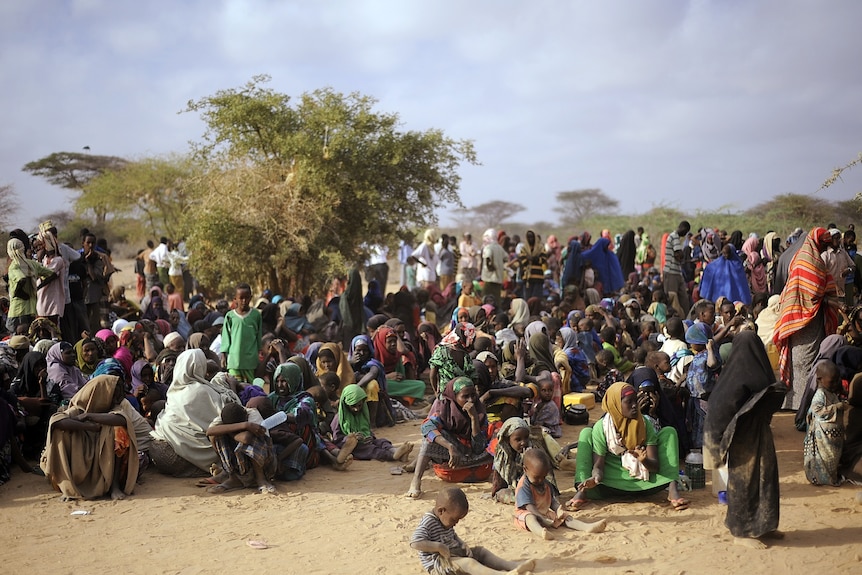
679 342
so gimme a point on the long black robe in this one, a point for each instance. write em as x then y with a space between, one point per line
737 431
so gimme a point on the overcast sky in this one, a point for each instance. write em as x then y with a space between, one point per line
699 104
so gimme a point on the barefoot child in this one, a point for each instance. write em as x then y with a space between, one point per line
546 413
441 551
240 336
244 449
825 437
351 430
536 503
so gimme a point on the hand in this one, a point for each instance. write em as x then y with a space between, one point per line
443 551
224 361
589 483
640 453
81 417
454 457
644 402
520 349
470 408
486 397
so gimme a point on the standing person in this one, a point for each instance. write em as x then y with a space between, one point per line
445 263
175 262
469 267
532 262
404 254
805 320
737 432
426 257
240 336
98 270
352 310
555 252
839 264
377 267
140 274
51 301
159 256
626 253
493 265
672 277
24 274
151 272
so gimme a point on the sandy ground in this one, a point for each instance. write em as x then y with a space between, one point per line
358 521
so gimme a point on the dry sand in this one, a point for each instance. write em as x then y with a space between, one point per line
359 522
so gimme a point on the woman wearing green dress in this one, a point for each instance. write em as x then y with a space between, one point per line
386 350
623 454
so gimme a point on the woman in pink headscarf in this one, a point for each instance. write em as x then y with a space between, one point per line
754 264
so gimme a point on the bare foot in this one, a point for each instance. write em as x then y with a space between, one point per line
546 535
526 566
342 466
229 485
410 467
403 451
595 527
413 493
117 493
350 444
749 542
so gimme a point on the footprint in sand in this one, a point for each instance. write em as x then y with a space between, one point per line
605 559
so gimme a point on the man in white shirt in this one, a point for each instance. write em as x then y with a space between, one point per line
493 265
160 256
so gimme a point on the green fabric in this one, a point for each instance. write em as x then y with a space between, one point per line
460 383
291 373
240 339
406 387
617 478
20 307
349 421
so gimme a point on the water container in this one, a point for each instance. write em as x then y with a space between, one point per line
684 483
694 469
274 420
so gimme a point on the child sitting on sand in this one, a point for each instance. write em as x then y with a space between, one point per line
351 430
244 449
536 503
546 413
441 551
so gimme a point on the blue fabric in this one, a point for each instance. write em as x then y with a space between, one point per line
572 269
606 265
725 277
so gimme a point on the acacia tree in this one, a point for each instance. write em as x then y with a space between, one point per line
304 186
579 205
74 170
161 190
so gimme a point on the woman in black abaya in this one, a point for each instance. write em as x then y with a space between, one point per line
737 433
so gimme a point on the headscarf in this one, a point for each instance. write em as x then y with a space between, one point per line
643 249
342 366
489 237
311 354
725 277
126 359
520 312
119 325
27 378
808 283
626 252
744 380
309 379
533 328
570 338
296 322
508 462
111 366
86 368
137 368
15 250
68 377
572 269
379 351
539 348
711 251
632 431
349 421
192 405
454 419
699 333
606 265
43 345
184 328
292 374
373 296
463 334
105 335
351 308
152 312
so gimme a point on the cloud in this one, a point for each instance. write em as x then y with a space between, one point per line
694 104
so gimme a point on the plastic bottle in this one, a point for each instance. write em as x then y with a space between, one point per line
684 483
274 420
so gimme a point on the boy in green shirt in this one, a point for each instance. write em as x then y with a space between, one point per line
240 336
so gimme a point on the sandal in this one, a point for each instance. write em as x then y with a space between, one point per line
206 482
680 504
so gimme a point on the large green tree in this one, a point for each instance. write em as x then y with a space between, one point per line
8 206
295 190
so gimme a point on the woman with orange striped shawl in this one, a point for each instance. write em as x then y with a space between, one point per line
804 322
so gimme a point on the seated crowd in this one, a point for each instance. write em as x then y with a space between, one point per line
679 344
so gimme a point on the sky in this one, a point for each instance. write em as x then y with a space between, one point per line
694 104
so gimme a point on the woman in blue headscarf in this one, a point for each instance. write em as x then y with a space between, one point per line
726 277
606 266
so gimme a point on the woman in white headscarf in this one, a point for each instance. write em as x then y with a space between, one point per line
426 255
181 447
24 274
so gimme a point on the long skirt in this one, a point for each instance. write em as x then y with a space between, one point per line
804 347
617 480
